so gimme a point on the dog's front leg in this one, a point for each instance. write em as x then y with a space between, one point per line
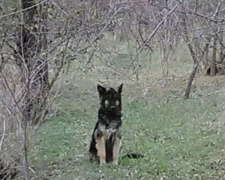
116 149
101 149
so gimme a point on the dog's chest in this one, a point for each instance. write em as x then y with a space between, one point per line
109 130
109 133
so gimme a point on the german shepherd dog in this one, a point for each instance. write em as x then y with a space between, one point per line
106 139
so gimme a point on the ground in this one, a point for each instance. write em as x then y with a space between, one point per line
181 139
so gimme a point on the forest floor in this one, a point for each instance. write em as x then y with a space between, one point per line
180 139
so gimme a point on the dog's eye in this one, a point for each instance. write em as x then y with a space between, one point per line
106 102
117 102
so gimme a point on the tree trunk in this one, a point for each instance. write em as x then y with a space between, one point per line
194 71
191 78
34 68
206 60
213 63
194 57
26 48
221 45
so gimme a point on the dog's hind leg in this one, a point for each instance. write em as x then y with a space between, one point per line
100 145
116 149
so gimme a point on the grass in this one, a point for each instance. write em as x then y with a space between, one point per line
176 137
180 139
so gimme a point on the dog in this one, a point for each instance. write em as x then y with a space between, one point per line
106 140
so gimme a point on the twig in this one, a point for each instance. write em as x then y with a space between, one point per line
217 92
59 8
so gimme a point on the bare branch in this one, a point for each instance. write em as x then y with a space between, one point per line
156 29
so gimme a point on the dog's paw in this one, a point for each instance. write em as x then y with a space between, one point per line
102 161
115 162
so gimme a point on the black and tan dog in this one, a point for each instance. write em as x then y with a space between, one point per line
106 139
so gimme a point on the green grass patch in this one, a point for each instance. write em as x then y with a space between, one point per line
176 138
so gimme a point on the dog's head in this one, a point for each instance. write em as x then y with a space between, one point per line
110 99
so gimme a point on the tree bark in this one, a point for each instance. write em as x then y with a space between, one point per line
206 61
221 45
213 63
191 78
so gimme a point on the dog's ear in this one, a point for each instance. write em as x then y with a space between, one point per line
101 90
120 88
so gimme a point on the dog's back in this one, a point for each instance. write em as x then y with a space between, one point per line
106 138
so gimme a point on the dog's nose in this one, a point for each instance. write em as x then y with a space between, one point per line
113 107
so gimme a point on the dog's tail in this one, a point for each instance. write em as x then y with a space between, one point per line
133 155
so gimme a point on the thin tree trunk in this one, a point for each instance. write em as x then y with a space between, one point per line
193 55
213 63
193 73
221 45
206 61
191 78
